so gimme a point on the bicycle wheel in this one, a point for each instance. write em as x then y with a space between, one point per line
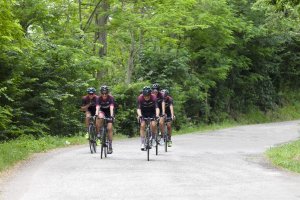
156 145
104 143
94 144
166 138
147 142
91 138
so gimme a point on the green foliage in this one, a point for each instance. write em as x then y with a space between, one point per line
220 60
126 98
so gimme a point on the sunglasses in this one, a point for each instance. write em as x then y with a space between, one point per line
104 93
91 93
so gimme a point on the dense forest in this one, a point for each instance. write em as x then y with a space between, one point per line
218 58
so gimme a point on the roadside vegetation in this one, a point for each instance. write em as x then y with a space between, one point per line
286 156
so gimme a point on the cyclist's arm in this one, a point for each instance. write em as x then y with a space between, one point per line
85 107
157 112
97 110
139 112
163 106
172 111
111 107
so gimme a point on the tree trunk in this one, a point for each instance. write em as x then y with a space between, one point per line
130 66
101 35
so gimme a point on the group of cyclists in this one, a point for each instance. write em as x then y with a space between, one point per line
100 106
151 103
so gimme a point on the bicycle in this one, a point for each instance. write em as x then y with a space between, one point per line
148 137
104 138
92 134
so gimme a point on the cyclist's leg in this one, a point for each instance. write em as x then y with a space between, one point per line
153 129
169 127
161 124
161 127
110 137
87 118
110 132
100 120
142 133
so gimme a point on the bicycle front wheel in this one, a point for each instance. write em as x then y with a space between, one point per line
166 138
104 144
148 142
92 139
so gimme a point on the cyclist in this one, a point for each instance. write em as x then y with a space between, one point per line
105 107
147 107
161 105
169 114
88 106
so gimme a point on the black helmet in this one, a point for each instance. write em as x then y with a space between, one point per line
91 90
165 92
146 91
155 86
104 88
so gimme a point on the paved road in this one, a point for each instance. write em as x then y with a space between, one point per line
223 164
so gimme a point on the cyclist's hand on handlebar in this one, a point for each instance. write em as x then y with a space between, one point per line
139 118
112 118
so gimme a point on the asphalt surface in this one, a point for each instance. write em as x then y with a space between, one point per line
218 165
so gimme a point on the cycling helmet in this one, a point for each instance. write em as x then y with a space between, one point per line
146 91
104 88
91 90
155 86
165 92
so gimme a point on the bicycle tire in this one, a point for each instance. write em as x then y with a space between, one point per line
94 138
106 142
91 131
103 143
148 137
156 145
166 137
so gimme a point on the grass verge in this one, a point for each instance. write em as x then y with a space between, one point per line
17 150
21 149
286 156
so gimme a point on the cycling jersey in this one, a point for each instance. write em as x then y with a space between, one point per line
160 99
105 104
148 107
92 101
168 103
